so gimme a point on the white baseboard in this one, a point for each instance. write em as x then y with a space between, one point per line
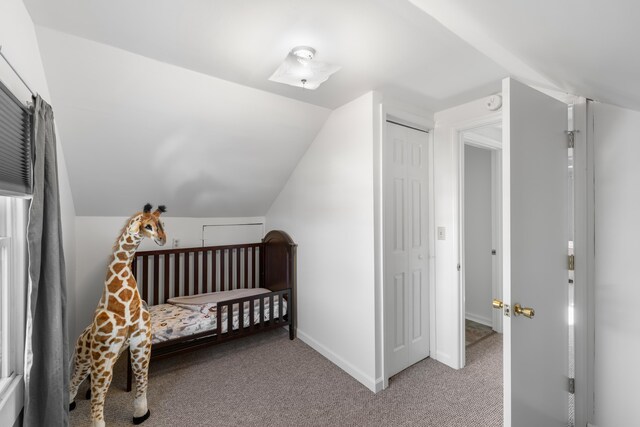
479 319
373 384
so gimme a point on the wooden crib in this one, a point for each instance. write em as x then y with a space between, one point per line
270 264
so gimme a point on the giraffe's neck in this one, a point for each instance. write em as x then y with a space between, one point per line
126 246
120 285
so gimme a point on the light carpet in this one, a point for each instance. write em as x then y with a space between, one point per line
268 380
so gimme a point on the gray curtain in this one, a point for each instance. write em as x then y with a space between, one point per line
47 352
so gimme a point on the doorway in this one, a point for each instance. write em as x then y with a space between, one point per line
536 206
480 237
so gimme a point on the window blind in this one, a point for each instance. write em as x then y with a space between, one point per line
15 144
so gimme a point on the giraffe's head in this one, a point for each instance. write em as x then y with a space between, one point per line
151 225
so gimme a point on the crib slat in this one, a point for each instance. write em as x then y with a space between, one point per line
145 278
165 279
218 320
230 260
281 306
214 271
187 288
261 312
255 267
196 273
229 318
271 310
223 262
258 272
246 283
252 313
176 275
205 271
238 265
252 268
156 278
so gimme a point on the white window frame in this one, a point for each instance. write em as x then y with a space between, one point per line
13 226
6 362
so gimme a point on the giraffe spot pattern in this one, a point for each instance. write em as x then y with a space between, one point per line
125 294
116 306
106 328
118 267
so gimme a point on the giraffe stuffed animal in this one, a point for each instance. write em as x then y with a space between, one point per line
121 320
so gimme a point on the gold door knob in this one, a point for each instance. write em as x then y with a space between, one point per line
496 303
525 311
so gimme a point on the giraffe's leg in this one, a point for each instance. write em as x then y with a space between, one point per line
88 393
81 365
106 342
140 348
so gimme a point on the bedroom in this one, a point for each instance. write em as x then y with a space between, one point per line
161 97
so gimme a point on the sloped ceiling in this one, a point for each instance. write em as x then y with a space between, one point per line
169 101
134 129
584 48
387 45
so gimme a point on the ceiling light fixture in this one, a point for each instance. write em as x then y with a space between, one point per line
301 70
304 52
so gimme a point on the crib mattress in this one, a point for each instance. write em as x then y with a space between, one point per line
171 321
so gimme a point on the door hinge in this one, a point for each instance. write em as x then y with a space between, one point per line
572 261
571 137
572 385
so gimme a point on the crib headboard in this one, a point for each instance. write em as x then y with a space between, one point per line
278 261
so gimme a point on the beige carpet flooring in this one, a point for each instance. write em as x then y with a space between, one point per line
268 380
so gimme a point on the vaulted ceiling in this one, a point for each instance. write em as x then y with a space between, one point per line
387 45
135 129
170 101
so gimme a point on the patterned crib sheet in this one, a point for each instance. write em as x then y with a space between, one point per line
170 321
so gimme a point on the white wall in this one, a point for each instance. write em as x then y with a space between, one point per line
327 207
446 192
478 234
95 237
617 246
20 46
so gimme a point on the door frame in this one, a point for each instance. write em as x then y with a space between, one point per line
400 114
496 180
582 120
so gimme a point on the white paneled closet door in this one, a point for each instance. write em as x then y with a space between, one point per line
406 246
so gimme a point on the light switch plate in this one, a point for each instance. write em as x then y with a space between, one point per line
442 233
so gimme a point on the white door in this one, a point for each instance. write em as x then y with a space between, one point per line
535 233
405 247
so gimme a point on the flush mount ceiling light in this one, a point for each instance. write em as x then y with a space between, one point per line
301 70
